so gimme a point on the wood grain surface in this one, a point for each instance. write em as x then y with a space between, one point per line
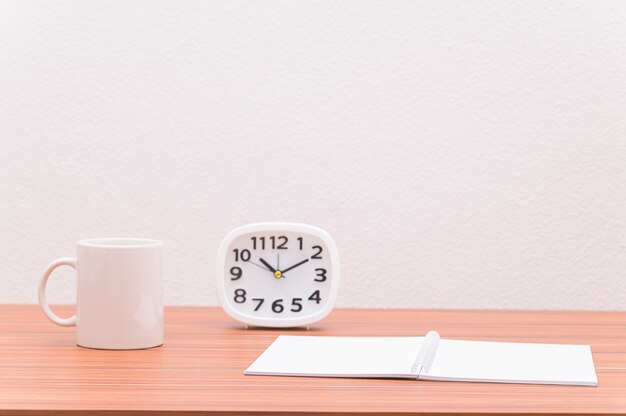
199 369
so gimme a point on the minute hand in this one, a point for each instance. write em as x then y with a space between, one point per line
295 265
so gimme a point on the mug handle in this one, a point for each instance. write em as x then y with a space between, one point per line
65 261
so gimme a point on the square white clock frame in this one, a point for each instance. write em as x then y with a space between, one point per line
278 274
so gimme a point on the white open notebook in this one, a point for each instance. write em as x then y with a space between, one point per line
427 358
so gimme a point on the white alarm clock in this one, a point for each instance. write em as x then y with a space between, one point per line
278 274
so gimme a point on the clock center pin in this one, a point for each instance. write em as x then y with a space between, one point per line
278 274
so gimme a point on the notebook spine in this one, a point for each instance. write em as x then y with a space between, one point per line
426 354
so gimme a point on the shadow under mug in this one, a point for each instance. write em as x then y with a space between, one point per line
119 300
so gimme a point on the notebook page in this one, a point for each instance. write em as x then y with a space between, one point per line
338 357
507 362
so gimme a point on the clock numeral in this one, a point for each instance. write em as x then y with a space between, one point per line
261 240
315 296
244 255
281 246
300 242
317 255
277 306
260 300
240 296
321 273
235 272
296 302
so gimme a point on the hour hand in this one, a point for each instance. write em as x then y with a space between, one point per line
266 264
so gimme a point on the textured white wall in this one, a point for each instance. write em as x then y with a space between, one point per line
463 154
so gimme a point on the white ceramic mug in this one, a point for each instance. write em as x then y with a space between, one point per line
119 302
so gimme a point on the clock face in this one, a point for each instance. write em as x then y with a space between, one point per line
278 274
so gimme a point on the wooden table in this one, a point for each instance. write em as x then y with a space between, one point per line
199 369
